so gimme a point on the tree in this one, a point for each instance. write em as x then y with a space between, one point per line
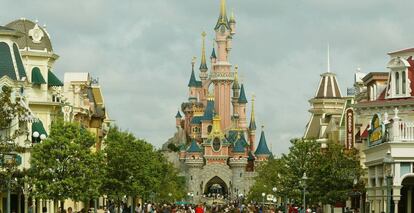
134 168
63 166
330 173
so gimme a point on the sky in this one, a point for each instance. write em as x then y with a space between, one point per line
141 51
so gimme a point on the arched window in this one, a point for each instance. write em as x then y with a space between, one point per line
403 82
397 83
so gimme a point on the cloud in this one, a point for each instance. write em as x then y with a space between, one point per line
141 52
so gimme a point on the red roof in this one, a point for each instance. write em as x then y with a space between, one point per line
365 133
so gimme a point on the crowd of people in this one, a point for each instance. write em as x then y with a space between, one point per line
215 208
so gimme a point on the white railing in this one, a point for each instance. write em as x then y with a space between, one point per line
401 131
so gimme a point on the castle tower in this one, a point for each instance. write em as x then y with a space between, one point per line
221 75
252 128
193 85
238 165
242 101
194 162
203 71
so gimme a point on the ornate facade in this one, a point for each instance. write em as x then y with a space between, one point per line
215 143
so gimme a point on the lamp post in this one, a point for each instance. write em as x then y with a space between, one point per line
263 196
304 178
274 189
388 161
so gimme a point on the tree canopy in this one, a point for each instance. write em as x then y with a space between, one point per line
331 172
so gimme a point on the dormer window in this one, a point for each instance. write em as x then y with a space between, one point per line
398 79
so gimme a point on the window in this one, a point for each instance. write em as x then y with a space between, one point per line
397 83
403 82
209 128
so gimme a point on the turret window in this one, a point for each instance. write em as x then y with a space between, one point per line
403 82
397 83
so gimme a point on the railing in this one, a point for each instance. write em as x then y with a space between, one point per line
401 131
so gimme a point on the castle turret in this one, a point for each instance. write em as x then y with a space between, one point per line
178 119
262 152
238 165
242 101
193 85
232 23
252 128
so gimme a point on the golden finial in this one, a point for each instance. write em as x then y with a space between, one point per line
203 50
193 61
223 10
236 73
252 115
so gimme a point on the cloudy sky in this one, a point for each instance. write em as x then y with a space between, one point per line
141 51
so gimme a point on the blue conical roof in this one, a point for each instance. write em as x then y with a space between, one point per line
262 148
193 82
209 111
178 115
194 147
213 53
242 97
238 147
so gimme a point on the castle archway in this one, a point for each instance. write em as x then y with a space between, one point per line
407 195
216 186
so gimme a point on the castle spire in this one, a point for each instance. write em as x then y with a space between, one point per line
252 125
262 148
236 78
213 53
203 64
222 20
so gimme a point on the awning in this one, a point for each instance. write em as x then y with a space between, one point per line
52 80
37 126
37 77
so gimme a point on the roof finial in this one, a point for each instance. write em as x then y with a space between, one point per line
193 61
223 9
236 73
329 61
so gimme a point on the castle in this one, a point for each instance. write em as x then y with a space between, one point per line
215 143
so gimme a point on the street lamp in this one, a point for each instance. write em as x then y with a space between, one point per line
274 189
388 161
304 178
263 196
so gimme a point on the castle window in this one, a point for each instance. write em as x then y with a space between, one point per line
191 177
241 174
209 128
397 83
403 82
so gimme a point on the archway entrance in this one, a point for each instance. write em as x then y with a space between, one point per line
406 203
216 187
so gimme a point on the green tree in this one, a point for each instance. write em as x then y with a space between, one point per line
63 166
134 168
330 173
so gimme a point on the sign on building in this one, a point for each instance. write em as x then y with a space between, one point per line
350 127
376 131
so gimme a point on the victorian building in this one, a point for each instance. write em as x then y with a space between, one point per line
27 63
385 121
216 144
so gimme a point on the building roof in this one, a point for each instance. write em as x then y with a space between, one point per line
401 51
262 148
328 86
238 147
194 147
25 26
209 111
193 82
178 115
196 119
213 53
242 97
